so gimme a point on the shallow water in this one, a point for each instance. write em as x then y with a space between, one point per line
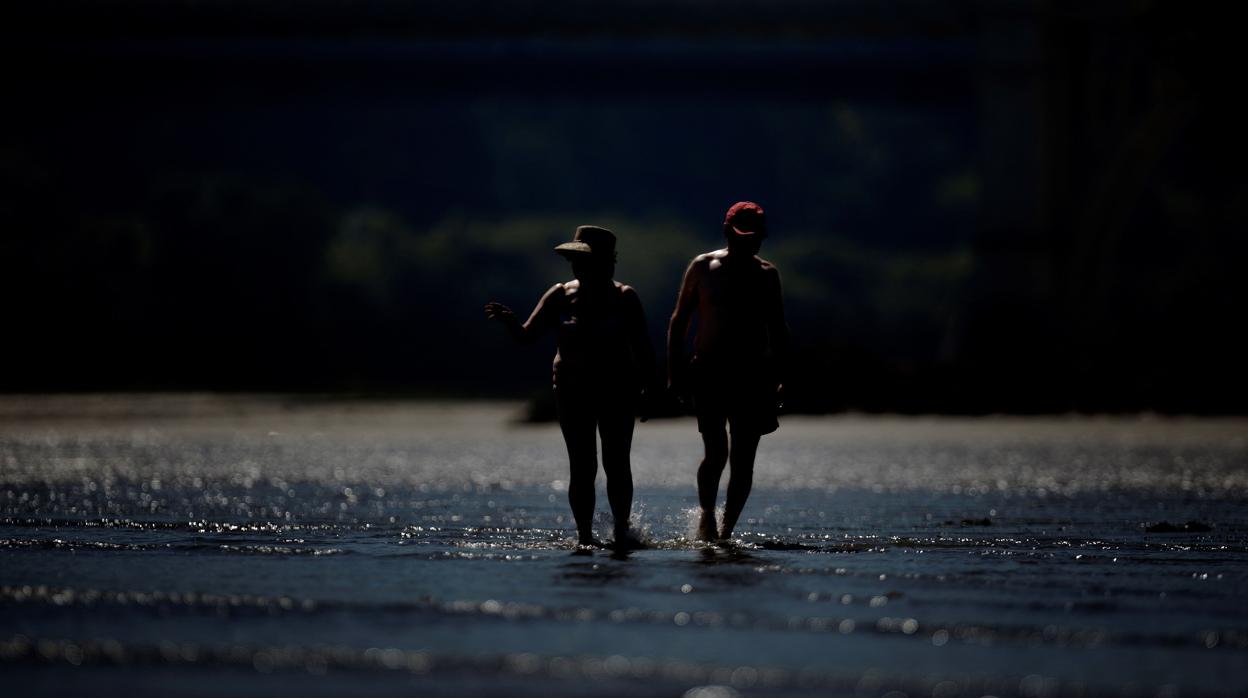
208 545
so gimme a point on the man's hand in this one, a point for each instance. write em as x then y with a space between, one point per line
678 388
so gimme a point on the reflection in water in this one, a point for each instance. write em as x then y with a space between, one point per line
725 553
585 572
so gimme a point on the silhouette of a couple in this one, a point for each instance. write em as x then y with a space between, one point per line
605 366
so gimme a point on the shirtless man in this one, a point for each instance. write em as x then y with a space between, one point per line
603 363
741 345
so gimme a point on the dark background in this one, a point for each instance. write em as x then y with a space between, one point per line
975 206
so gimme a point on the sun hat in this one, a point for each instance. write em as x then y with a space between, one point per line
589 239
745 218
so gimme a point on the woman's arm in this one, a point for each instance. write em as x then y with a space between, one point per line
542 319
639 337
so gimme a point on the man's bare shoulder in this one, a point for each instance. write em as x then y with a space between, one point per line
767 267
707 260
708 257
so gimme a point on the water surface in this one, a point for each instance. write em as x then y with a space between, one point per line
209 545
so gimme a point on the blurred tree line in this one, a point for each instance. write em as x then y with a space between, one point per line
980 208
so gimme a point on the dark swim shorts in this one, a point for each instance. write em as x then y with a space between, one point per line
744 398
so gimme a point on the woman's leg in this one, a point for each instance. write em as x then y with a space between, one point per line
577 423
616 428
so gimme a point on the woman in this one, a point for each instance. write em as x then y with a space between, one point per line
603 362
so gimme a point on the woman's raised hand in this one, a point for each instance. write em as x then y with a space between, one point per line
498 311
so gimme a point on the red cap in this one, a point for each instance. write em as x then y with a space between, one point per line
745 218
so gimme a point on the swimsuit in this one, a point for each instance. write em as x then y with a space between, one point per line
741 393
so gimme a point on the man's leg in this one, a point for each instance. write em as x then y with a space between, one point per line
578 426
715 456
740 478
617 442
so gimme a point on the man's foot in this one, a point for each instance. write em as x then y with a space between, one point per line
725 535
587 540
706 527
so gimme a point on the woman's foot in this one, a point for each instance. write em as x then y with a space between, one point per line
706 527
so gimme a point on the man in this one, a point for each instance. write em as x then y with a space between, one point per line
741 343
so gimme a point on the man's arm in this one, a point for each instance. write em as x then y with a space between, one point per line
777 327
542 319
678 328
